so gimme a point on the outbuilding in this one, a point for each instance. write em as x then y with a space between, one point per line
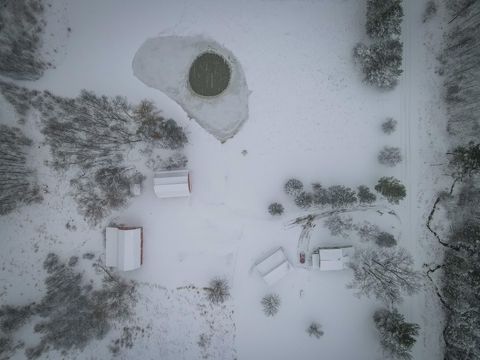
274 266
331 258
124 247
172 183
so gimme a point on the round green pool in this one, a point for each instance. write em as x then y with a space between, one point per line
209 74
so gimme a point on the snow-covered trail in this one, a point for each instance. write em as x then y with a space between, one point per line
422 140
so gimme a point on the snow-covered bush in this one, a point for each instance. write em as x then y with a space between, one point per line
384 18
390 156
389 126
391 189
218 290
339 225
315 330
22 26
385 239
304 200
270 304
175 161
275 209
397 336
368 231
381 62
383 273
341 196
365 196
71 314
18 185
320 195
204 341
430 11
293 187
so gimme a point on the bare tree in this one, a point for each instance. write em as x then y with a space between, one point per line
18 183
461 70
22 27
90 130
92 133
108 189
72 313
384 274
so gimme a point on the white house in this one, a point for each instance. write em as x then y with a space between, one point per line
124 247
273 266
331 258
172 183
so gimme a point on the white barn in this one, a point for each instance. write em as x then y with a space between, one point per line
331 258
124 247
273 267
172 183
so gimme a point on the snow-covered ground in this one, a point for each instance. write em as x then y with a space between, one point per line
310 117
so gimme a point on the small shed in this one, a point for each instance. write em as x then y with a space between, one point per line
124 247
331 258
274 266
172 183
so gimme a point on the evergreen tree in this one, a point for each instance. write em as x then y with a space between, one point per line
381 62
465 160
391 189
315 330
365 196
389 126
304 200
397 336
385 239
275 209
389 156
293 187
218 291
271 304
384 18
320 194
